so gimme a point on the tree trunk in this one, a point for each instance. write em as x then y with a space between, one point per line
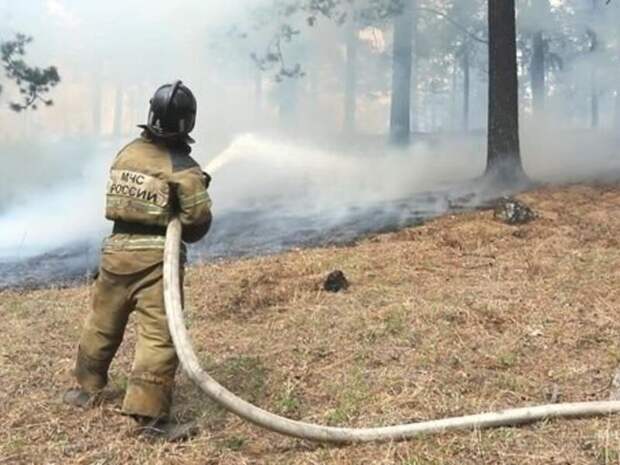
466 89
96 105
258 95
414 106
594 104
617 102
287 98
503 149
453 124
350 93
537 70
617 110
400 122
595 46
132 97
541 17
118 112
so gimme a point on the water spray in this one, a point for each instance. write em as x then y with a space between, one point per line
220 161
319 433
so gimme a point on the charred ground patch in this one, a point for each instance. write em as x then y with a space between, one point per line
460 315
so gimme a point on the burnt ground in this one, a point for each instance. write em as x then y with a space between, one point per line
261 229
460 315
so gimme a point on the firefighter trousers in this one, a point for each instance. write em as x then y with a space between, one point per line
116 296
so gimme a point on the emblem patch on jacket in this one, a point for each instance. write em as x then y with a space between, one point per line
138 186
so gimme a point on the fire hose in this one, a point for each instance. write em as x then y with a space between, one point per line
313 432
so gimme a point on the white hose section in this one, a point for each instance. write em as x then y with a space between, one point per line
313 432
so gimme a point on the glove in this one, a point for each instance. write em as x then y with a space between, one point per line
207 179
175 206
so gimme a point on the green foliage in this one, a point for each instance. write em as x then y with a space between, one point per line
273 56
234 443
289 402
245 375
33 83
394 323
291 14
507 359
350 399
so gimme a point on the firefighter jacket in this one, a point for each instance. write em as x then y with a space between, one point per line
149 182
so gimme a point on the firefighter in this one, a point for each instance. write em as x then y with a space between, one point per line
151 179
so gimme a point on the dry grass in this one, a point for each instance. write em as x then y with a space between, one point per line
458 316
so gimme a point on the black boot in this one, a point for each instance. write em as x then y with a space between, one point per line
167 430
77 397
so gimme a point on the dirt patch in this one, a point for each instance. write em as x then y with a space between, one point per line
461 315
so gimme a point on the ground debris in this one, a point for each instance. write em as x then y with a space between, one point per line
336 281
553 394
497 337
614 393
513 212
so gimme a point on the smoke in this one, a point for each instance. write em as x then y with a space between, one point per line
284 174
271 194
555 155
53 202
307 177
254 172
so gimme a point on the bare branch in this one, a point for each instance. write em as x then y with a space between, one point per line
455 23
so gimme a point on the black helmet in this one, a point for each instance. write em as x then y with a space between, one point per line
173 111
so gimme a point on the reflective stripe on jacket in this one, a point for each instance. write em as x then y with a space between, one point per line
149 182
